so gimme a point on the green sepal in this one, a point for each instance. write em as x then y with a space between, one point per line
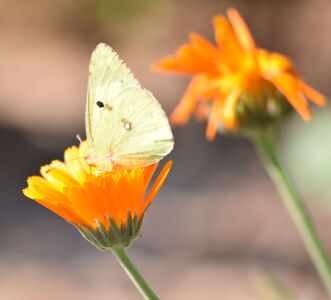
106 238
255 110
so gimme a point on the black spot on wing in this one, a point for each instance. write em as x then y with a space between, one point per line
100 104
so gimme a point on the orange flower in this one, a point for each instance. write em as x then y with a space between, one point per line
107 207
234 76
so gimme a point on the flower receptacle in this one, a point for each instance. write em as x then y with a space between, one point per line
258 110
106 238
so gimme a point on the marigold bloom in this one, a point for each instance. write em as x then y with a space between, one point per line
107 207
235 83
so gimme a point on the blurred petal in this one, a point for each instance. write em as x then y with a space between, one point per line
226 40
312 94
203 47
241 30
214 119
189 101
230 109
287 86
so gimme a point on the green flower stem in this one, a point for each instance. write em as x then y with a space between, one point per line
130 269
265 144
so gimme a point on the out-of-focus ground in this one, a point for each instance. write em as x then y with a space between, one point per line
218 229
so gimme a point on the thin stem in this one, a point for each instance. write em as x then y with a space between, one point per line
264 142
130 269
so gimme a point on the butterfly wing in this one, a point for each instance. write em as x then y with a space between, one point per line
108 75
125 124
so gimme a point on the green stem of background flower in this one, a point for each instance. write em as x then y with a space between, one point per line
265 144
130 269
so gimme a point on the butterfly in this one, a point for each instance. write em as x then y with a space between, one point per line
126 126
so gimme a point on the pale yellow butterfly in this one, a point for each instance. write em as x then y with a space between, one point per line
125 125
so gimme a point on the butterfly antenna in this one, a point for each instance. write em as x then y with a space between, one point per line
65 163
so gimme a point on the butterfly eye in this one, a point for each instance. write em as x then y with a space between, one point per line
100 104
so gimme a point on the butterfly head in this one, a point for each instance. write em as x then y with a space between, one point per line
103 164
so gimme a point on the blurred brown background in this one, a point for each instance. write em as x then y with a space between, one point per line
218 229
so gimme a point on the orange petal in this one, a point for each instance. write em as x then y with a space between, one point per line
241 30
169 63
196 57
222 29
202 111
158 184
224 84
214 119
230 51
286 84
189 101
230 109
39 188
58 178
149 171
273 64
203 47
312 94
67 213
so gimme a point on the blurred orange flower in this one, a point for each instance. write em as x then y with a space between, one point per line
107 207
234 70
